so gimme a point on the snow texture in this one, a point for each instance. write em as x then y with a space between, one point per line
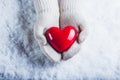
99 58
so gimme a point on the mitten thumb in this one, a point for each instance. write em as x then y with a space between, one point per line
39 34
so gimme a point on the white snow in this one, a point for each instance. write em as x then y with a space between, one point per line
99 57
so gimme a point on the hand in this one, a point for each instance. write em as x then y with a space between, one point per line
70 15
47 16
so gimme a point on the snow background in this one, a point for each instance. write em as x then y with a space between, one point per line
99 57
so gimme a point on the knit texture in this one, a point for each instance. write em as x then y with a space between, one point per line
46 6
70 5
99 58
47 13
70 14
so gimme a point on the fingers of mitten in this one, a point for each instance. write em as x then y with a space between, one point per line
73 19
50 53
71 51
82 36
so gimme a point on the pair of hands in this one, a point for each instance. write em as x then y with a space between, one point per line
53 13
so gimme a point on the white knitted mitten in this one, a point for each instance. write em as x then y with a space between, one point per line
70 15
47 16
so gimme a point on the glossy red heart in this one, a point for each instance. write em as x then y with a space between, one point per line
61 39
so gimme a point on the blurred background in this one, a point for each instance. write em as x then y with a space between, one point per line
98 59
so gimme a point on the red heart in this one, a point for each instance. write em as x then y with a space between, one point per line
61 39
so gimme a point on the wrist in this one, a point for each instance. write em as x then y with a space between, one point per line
46 7
69 6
